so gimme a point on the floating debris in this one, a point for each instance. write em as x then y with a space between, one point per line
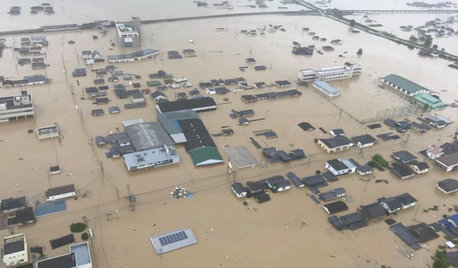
181 192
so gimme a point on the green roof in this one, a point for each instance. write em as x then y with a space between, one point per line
403 83
431 101
205 156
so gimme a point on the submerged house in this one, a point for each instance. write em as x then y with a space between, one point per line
335 144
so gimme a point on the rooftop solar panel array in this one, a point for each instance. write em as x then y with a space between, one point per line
172 238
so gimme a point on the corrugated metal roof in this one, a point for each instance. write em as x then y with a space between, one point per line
403 83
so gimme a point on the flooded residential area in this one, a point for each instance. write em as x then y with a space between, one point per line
229 134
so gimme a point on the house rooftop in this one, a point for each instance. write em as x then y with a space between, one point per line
402 171
337 164
373 211
448 185
400 230
13 203
449 160
404 156
335 207
363 139
406 199
336 141
423 232
13 244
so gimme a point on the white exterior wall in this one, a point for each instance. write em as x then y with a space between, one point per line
239 195
281 189
16 258
335 172
360 145
408 205
6 115
60 196
385 206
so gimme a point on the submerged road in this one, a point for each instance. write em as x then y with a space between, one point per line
312 11
338 15
92 25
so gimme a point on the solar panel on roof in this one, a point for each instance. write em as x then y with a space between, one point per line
172 238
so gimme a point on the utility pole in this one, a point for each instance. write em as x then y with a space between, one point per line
406 140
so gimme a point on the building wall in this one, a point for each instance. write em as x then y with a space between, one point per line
408 205
173 160
15 258
6 115
335 172
360 145
385 206
61 196
333 150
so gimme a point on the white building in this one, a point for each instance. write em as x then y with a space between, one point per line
61 192
340 166
129 34
346 71
155 157
16 107
15 250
